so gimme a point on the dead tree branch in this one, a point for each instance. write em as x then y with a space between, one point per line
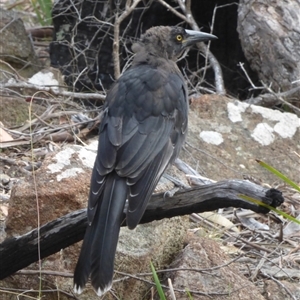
219 82
187 17
271 98
18 253
129 7
53 91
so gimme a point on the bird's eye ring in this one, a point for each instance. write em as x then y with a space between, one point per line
179 37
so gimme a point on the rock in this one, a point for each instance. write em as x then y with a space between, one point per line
15 111
221 283
49 77
15 46
60 186
244 133
158 242
270 40
285 290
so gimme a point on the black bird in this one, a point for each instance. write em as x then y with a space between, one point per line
143 129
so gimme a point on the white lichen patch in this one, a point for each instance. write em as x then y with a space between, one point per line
212 137
93 145
62 160
235 110
263 134
44 79
287 123
69 173
267 113
281 123
71 161
87 157
287 126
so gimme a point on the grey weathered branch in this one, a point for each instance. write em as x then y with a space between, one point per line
185 6
53 90
18 253
271 98
129 8
219 82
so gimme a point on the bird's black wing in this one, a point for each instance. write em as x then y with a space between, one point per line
142 131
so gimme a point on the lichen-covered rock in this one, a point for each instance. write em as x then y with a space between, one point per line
15 46
269 34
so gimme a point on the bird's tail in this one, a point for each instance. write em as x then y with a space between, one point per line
100 242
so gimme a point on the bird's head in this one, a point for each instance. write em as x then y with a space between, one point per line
170 42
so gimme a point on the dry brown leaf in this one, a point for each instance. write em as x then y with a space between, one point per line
220 220
4 210
4 136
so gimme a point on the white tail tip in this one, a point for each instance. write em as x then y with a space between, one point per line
101 292
77 289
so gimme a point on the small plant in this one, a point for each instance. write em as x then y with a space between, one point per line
285 179
157 283
189 295
43 9
160 289
279 174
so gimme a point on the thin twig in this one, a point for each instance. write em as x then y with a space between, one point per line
173 10
271 98
13 69
55 92
172 294
129 7
279 97
45 272
283 286
219 82
246 74
204 270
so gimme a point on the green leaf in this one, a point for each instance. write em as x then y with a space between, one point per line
189 294
279 174
43 9
157 283
279 212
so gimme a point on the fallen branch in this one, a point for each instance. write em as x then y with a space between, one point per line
18 253
53 90
271 98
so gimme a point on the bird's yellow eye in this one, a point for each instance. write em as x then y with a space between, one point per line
179 38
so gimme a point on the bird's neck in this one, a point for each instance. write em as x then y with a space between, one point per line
155 55
154 60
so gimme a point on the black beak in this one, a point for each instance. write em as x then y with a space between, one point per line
194 37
